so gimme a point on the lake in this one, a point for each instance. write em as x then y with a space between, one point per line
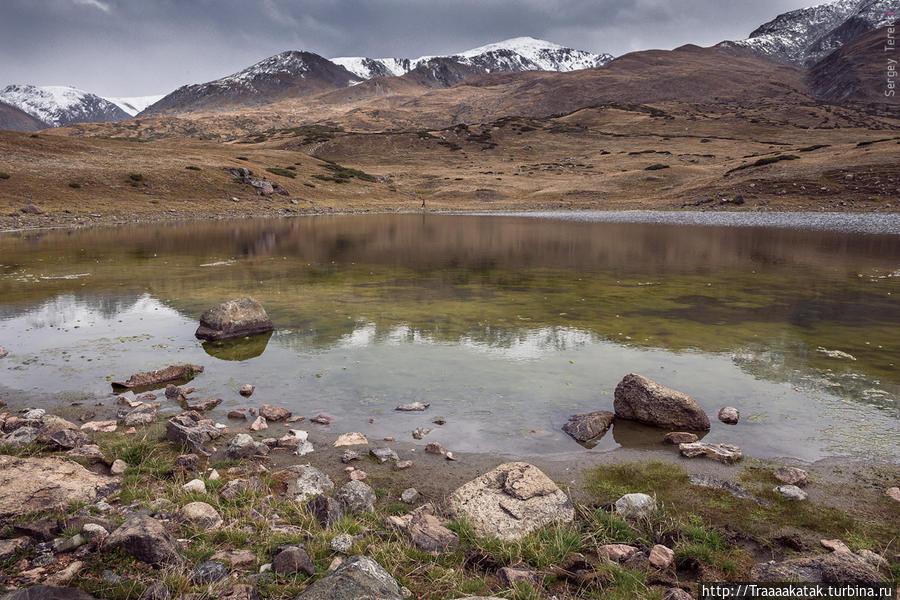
505 324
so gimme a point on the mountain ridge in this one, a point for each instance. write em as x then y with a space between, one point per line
61 105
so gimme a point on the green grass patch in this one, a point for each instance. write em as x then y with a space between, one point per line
74 185
764 161
136 176
4 175
193 168
656 167
281 172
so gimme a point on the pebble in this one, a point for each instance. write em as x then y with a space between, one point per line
409 496
792 492
358 475
118 467
194 485
342 543
403 464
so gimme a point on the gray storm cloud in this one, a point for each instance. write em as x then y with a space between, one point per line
136 47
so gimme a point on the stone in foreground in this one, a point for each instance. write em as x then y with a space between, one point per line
47 592
357 577
588 428
724 453
640 399
235 318
791 492
792 476
837 567
511 501
30 485
145 539
638 506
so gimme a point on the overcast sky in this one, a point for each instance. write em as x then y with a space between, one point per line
141 47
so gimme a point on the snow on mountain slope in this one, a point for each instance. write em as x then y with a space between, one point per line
516 54
61 105
805 36
134 104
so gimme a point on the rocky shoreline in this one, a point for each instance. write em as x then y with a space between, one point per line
147 497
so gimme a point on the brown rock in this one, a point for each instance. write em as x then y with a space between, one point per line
677 594
238 414
322 419
350 439
204 405
893 493
235 318
153 379
835 545
274 413
792 476
724 453
427 532
616 552
680 437
145 539
661 556
510 577
434 448
729 415
327 511
247 390
640 399
259 424
293 559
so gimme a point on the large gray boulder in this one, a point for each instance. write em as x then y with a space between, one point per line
356 496
511 501
235 318
640 399
302 482
30 485
357 578
837 567
144 538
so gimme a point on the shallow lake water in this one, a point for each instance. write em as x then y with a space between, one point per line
505 324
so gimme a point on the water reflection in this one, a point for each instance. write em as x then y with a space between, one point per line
505 325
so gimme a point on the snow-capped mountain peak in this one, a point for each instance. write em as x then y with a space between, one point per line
58 105
515 54
134 104
805 36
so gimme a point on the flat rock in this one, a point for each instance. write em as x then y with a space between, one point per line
199 514
510 577
204 405
100 426
636 506
680 437
792 476
274 413
29 485
9 548
353 438
322 419
836 567
834 545
155 379
729 415
236 487
723 453
588 428
356 578
736 489
144 538
244 446
413 406
429 534
511 501
640 399
235 318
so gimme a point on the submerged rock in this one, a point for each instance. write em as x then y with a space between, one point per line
588 428
680 437
274 413
235 318
154 379
413 406
640 399
729 415
511 501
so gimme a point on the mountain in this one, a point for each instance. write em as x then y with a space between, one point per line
18 120
288 74
855 72
513 55
805 36
134 104
61 105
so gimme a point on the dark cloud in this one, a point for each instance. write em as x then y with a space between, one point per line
136 47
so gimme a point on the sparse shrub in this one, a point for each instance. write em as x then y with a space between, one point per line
341 174
192 168
4 175
136 177
74 185
242 158
308 184
292 168
656 167
280 171
34 135
815 147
